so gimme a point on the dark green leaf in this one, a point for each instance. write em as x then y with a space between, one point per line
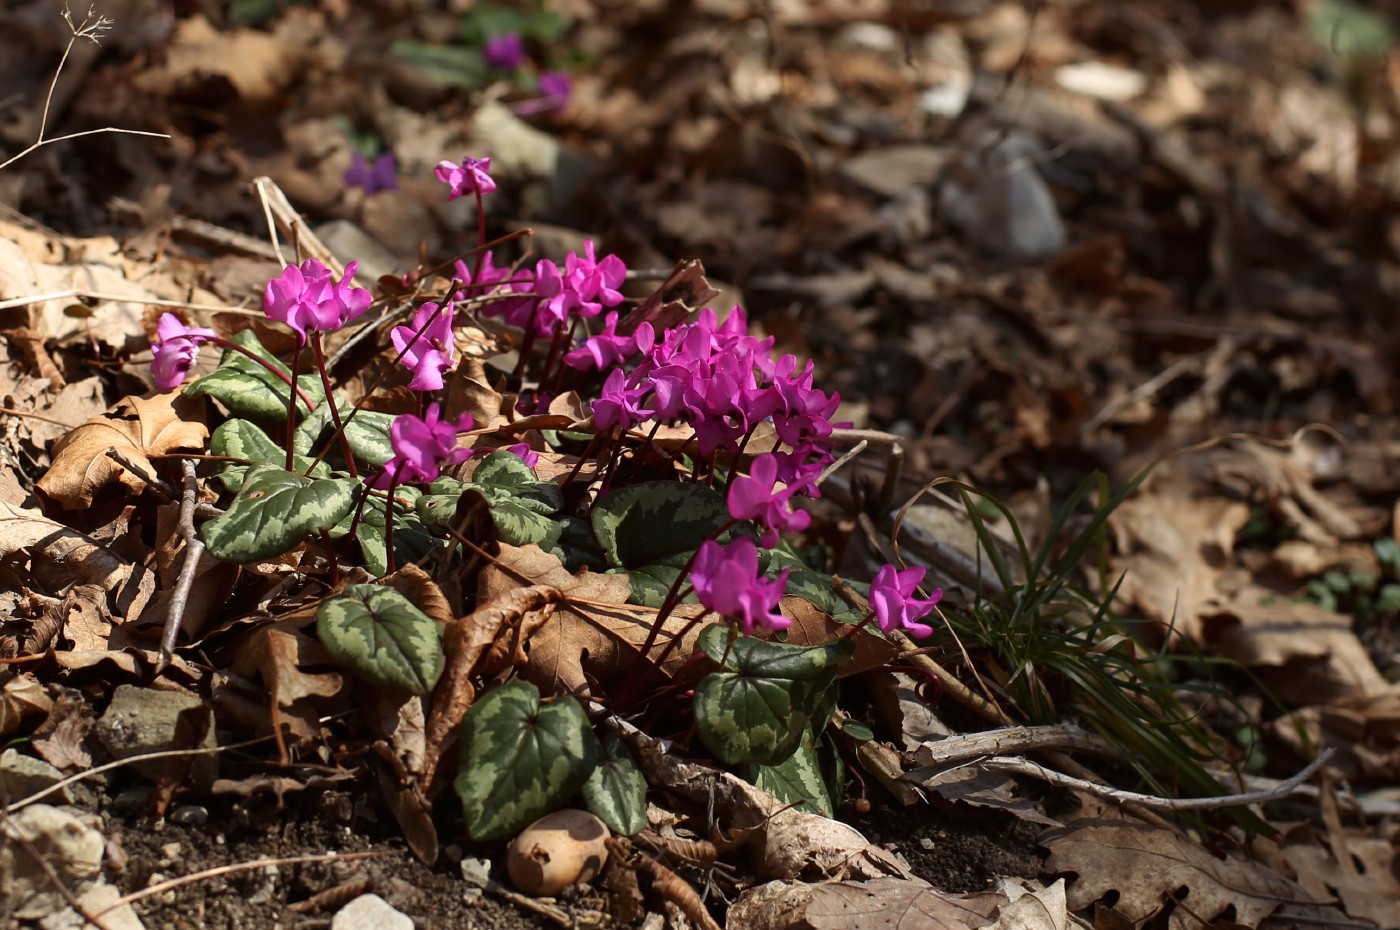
519 525
647 522
250 390
756 707
520 760
411 540
274 511
450 65
367 433
796 780
382 637
617 791
577 547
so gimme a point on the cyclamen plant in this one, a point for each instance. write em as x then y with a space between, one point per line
699 519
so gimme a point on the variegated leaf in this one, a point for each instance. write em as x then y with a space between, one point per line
367 433
411 540
647 522
249 389
617 790
274 511
521 759
244 439
797 780
382 637
755 708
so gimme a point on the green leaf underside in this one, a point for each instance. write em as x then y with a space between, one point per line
244 439
755 709
250 390
648 522
796 780
521 759
617 790
276 510
383 638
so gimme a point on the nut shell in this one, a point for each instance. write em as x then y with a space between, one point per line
558 850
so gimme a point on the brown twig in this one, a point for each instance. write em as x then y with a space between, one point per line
194 550
670 886
36 416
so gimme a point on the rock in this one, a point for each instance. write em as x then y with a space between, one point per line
72 849
1007 207
1101 80
892 171
189 815
96 900
142 720
370 912
345 238
21 776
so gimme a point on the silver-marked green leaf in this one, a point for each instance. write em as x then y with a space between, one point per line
577 547
411 540
382 638
517 525
274 511
521 759
617 790
756 707
796 780
367 432
249 389
244 439
647 522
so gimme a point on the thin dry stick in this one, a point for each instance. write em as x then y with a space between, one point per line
194 550
129 760
168 884
36 416
91 29
836 465
1151 801
281 215
78 292
1062 736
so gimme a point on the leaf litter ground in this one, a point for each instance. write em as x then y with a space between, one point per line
1200 256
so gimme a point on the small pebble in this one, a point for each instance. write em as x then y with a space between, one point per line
926 842
190 815
370 912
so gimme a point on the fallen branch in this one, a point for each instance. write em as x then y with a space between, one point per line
1281 790
1009 741
194 549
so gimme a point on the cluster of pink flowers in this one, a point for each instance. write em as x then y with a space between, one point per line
308 299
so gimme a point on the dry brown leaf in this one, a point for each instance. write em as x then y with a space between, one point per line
1371 892
135 426
59 739
1174 546
22 696
86 620
1144 864
880 904
470 391
812 626
418 586
257 64
58 556
1307 654
972 784
278 652
1045 909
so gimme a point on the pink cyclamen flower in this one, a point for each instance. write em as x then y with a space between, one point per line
422 447
523 451
470 177
504 53
555 90
175 351
893 603
617 406
430 355
607 348
308 300
753 497
726 581
382 176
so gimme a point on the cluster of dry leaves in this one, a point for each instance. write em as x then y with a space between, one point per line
1029 239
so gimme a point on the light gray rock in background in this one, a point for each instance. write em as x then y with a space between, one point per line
73 849
891 172
21 776
370 912
1006 207
349 241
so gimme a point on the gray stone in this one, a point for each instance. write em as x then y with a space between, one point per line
370 912
892 171
142 720
73 849
21 776
96 900
343 237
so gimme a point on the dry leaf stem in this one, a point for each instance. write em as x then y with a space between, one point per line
194 550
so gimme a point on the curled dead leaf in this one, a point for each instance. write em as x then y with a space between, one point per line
135 426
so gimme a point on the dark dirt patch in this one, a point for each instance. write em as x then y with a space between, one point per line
954 855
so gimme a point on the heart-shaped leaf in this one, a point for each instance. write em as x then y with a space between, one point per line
797 780
249 389
617 790
367 432
521 759
519 525
755 708
411 540
383 638
244 439
647 522
274 511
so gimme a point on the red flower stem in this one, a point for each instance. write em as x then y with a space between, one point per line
669 604
378 381
858 627
292 409
218 341
389 522
480 235
331 556
359 510
555 344
583 458
330 398
638 685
